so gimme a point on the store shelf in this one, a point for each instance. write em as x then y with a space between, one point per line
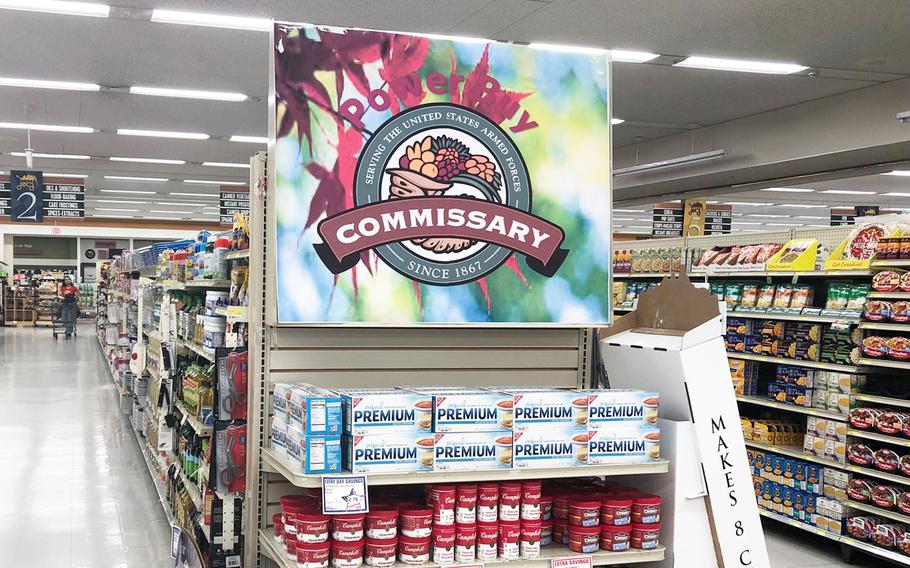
273 550
891 295
794 362
800 525
198 426
885 326
154 473
883 400
234 314
786 317
198 349
886 363
878 511
640 275
277 463
622 309
172 285
879 437
893 478
224 284
891 263
891 555
191 488
237 254
792 408
795 452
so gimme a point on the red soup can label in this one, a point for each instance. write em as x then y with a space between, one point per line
414 551
509 501
487 502
487 541
312 555
509 536
444 545
529 546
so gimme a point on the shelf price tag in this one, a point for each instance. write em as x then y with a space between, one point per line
175 540
344 494
572 562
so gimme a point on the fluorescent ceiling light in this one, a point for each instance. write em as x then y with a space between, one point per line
671 163
897 194
170 211
53 156
848 192
147 160
205 213
627 56
113 216
628 210
115 209
134 178
466 39
39 84
623 219
212 195
213 182
211 20
617 120
163 134
712 202
568 48
789 189
175 204
82 176
783 224
46 127
752 203
636 226
741 65
58 7
121 201
804 206
250 139
189 94
768 215
132 191
747 223
809 217
225 165
897 173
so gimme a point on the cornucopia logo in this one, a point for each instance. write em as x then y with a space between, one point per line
442 196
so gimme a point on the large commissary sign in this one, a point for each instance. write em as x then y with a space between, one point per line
439 181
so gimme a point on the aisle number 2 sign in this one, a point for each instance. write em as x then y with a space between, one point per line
26 196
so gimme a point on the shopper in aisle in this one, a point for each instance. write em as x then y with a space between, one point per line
68 310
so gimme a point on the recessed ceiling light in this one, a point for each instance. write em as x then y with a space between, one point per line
848 192
809 217
40 84
116 209
181 194
751 203
175 204
134 178
789 189
768 215
628 210
741 65
629 56
147 160
121 201
82 176
250 139
211 20
171 211
58 7
163 134
53 156
46 127
803 205
132 191
213 182
897 194
616 121
568 48
225 165
897 173
189 94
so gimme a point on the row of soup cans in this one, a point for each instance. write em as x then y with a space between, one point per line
466 451
458 409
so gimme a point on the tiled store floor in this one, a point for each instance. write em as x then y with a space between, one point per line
74 488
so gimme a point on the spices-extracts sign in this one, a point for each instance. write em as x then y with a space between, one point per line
432 180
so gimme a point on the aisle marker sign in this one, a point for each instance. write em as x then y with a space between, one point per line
344 494
667 219
26 195
233 202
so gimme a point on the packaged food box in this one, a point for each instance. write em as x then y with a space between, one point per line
607 408
549 448
836 451
742 326
846 383
836 478
735 342
798 396
281 396
624 443
469 451
803 331
548 408
796 375
820 399
389 452
771 328
816 426
840 403
313 453
470 410
836 431
317 410
373 411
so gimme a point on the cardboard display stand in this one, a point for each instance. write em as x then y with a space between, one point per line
672 344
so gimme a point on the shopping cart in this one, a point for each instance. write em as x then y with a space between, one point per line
64 320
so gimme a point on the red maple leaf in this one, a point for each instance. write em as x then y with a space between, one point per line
483 93
405 57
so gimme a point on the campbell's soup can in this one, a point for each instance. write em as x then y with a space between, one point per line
466 503
509 537
465 543
529 541
442 499
487 541
444 545
487 502
509 501
530 500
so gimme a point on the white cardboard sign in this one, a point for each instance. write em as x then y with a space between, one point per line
572 562
343 494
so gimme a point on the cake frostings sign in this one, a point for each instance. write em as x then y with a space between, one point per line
431 180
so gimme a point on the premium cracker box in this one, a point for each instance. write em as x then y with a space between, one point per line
469 451
373 411
389 452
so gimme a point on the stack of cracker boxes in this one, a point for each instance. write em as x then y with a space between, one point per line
431 428
306 426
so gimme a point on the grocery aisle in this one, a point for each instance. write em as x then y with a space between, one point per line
791 548
74 489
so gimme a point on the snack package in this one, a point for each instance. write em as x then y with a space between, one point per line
733 294
782 296
749 295
857 294
766 296
801 297
837 296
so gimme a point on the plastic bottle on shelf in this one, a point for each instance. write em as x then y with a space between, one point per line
220 264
